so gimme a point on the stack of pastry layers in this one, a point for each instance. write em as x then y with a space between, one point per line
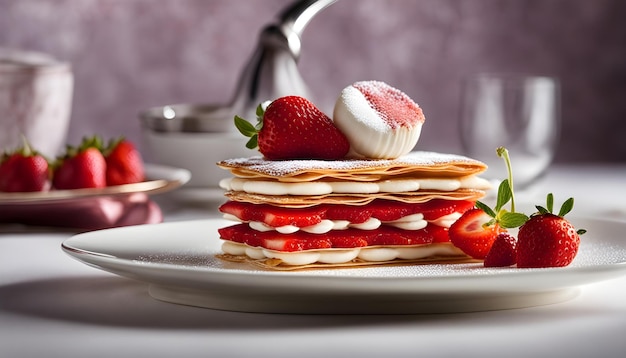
416 181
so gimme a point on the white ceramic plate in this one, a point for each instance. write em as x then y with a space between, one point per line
177 260
160 179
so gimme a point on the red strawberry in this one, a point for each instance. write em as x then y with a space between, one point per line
300 240
287 243
472 235
124 163
81 167
384 210
272 240
24 170
548 240
502 252
273 215
438 233
437 208
353 214
394 236
293 128
476 230
349 239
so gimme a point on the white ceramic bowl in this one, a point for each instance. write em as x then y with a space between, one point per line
193 137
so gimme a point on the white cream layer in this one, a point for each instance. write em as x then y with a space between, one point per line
409 222
267 187
338 256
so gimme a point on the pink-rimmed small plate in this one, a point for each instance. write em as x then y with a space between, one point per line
160 179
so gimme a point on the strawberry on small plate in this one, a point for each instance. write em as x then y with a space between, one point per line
124 163
24 170
159 179
80 167
93 208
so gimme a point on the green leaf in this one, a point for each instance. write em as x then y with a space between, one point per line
542 210
482 206
489 223
509 220
581 231
260 114
504 194
259 110
550 202
567 206
253 142
245 127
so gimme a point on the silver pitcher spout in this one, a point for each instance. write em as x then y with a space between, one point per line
272 71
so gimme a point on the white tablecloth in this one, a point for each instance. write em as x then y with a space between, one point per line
53 306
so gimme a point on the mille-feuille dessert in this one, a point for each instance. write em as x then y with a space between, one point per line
345 191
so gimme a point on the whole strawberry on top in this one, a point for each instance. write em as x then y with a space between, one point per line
80 167
292 127
124 163
24 170
547 239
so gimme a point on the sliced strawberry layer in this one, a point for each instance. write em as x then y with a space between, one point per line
383 210
349 238
273 215
438 233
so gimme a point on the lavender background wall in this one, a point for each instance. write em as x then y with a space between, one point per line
128 55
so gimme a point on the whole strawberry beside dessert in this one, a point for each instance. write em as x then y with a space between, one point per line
547 239
544 239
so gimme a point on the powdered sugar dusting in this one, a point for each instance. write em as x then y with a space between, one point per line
393 106
359 108
291 167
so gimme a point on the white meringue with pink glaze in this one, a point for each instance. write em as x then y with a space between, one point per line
380 122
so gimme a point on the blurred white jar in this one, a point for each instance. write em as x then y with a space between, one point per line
35 101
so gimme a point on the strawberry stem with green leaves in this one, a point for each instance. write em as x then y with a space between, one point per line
249 130
500 216
26 150
504 153
566 207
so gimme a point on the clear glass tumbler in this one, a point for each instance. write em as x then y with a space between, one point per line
521 113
